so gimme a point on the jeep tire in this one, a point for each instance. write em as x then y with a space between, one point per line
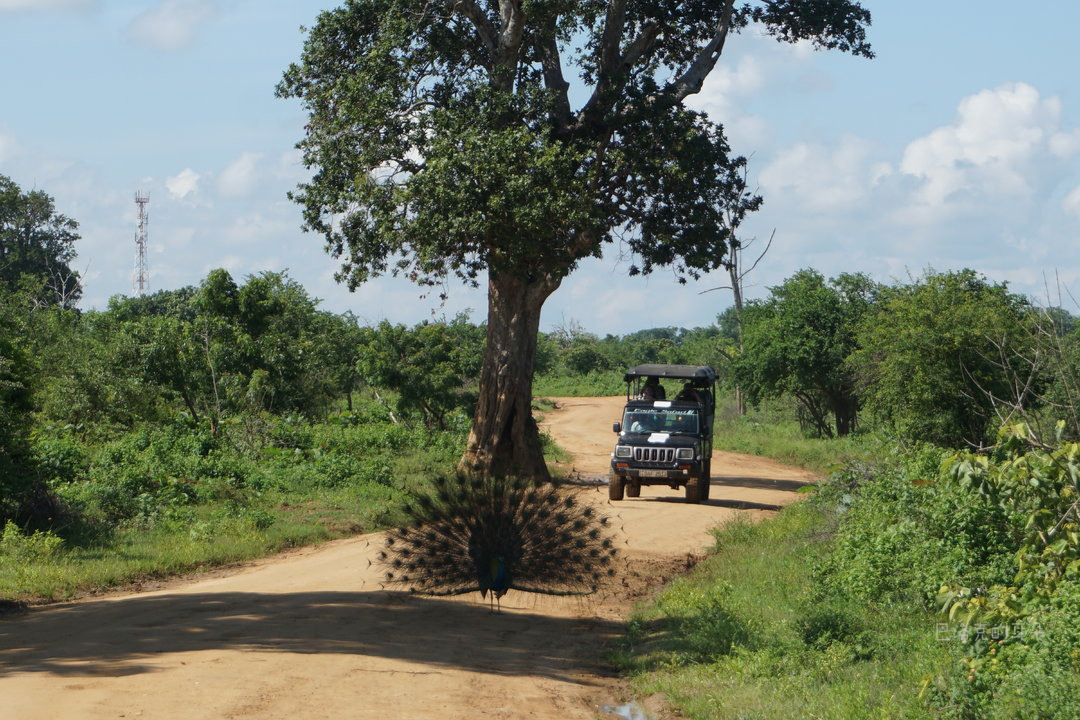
616 485
693 490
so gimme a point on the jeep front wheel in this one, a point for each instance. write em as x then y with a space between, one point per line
693 490
615 485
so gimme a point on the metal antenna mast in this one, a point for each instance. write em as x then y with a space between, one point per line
140 278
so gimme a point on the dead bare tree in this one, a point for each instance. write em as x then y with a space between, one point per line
737 272
1043 372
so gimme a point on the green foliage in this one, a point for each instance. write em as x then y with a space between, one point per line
827 610
591 385
480 145
770 430
206 354
166 498
936 354
35 547
16 466
36 247
797 342
1040 488
432 367
578 363
750 633
901 531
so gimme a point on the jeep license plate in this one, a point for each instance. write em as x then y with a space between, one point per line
653 473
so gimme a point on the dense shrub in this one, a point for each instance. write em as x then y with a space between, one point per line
935 356
904 531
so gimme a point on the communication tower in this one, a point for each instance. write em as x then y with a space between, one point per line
140 278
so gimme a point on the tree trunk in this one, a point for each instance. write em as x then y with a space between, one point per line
740 401
504 440
845 411
736 292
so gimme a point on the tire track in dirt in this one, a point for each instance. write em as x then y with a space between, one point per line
312 634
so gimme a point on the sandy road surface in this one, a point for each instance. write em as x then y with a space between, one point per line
311 634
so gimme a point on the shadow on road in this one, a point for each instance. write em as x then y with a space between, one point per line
123 637
714 502
760 483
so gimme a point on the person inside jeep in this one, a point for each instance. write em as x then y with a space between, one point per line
689 393
653 390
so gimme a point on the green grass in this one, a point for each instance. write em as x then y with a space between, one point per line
153 505
135 555
772 432
192 538
748 635
591 385
319 482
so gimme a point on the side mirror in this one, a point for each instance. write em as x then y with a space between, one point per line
616 427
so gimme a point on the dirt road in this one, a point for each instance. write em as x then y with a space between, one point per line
311 634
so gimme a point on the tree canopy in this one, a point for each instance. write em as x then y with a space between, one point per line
37 246
798 341
937 354
445 144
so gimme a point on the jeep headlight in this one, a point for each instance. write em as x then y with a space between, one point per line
684 454
623 451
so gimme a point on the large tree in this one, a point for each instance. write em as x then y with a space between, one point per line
447 141
798 341
37 246
938 355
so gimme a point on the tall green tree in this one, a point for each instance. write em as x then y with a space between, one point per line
37 246
798 341
432 367
445 142
16 468
939 353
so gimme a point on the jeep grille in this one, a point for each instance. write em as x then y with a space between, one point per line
654 454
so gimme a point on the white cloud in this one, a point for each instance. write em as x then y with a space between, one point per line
1071 203
183 184
727 83
9 147
988 150
255 229
755 68
43 5
171 25
823 179
232 263
173 239
1065 144
238 178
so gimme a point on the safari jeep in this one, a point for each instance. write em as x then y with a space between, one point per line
665 437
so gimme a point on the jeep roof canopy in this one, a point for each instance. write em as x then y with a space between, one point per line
700 375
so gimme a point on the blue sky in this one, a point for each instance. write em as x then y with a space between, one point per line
958 146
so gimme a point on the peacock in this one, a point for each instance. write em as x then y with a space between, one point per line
494 535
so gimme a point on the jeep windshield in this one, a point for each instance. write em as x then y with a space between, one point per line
661 420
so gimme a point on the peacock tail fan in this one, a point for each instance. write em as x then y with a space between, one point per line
495 534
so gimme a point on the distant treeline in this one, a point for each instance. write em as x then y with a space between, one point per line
944 358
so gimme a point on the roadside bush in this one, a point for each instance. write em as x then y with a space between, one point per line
147 473
60 458
32 547
904 531
699 622
1033 674
929 357
1034 670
